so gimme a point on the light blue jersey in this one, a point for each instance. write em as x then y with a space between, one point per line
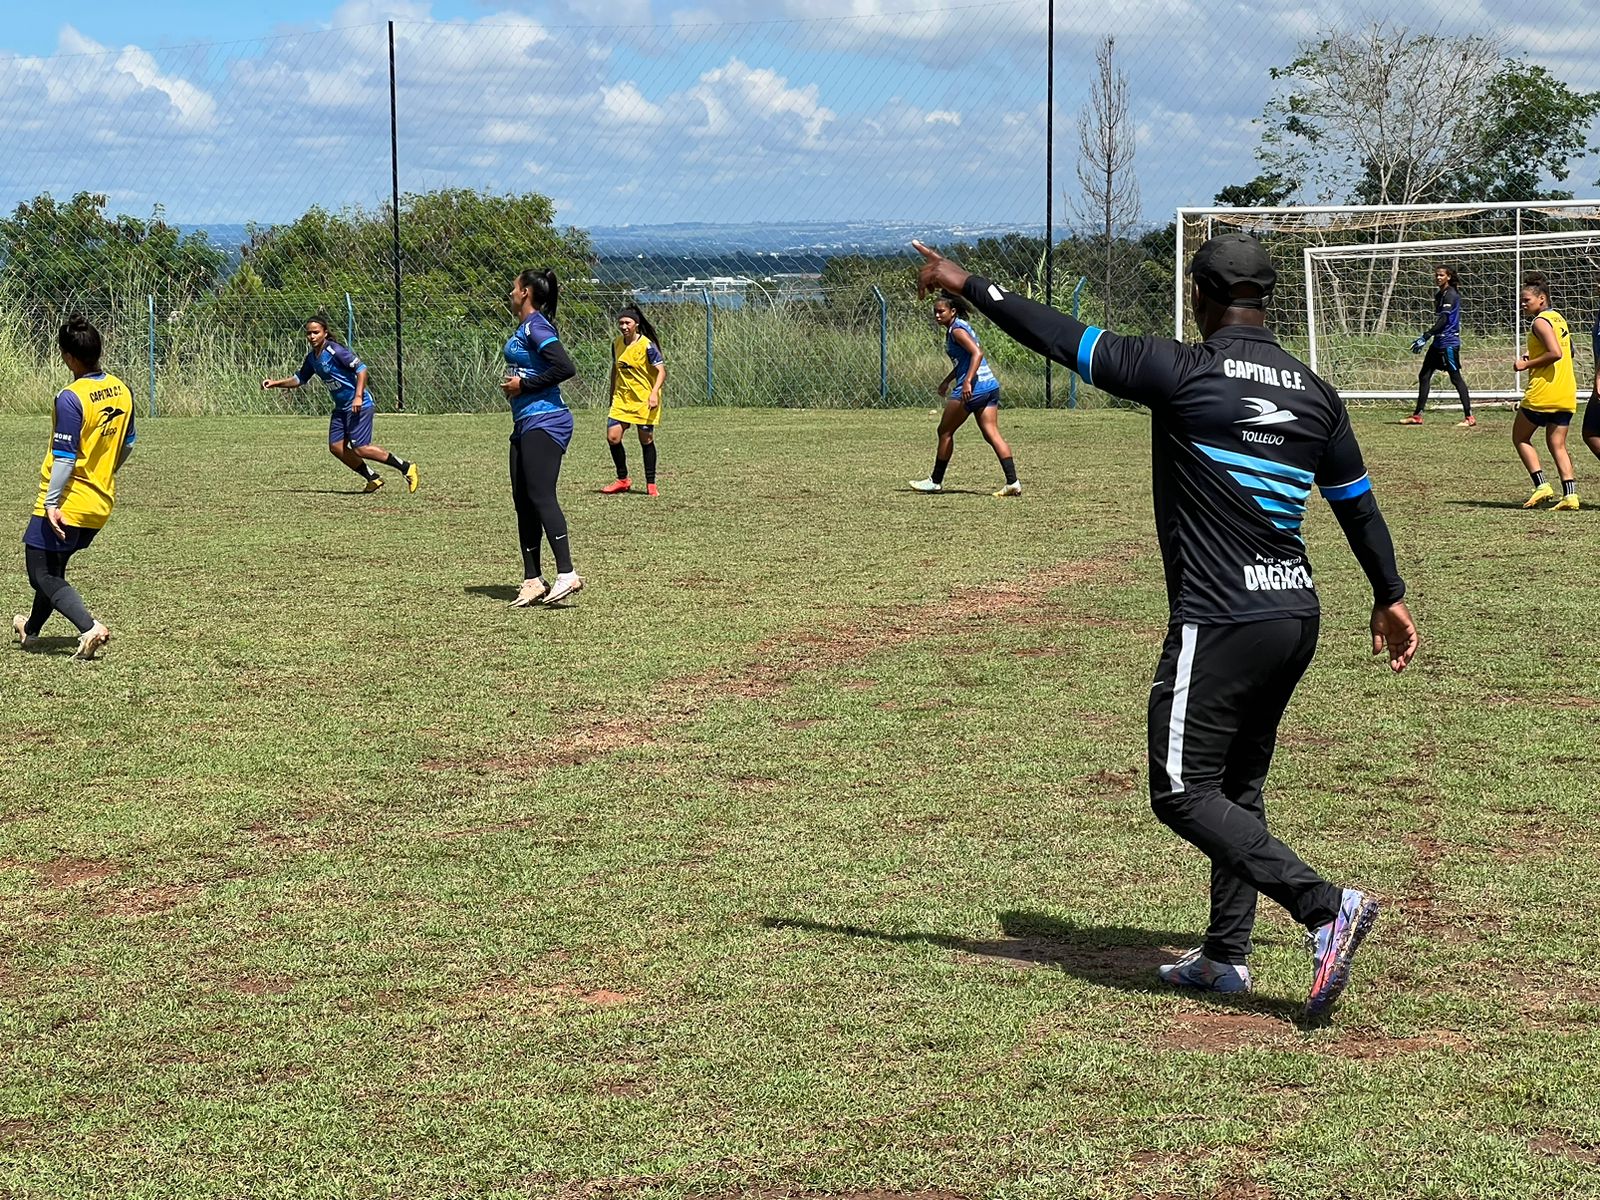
985 380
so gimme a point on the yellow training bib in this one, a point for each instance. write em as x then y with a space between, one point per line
1552 388
93 421
635 376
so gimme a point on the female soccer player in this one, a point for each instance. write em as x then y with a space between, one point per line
1551 396
637 373
93 437
977 394
541 429
350 430
1445 353
1591 412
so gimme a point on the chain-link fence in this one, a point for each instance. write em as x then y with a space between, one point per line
751 175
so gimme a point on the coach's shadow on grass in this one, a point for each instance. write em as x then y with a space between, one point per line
494 591
51 645
1120 957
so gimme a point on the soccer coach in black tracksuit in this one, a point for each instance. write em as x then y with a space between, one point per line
1241 431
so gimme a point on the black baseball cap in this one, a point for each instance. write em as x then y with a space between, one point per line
1228 260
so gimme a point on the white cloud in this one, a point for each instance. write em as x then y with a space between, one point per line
940 116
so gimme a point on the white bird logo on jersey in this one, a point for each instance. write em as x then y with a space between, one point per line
1267 413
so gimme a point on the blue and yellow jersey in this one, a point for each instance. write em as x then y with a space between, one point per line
339 368
1552 388
985 380
543 408
93 422
636 376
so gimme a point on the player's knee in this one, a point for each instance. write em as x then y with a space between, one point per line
646 439
336 449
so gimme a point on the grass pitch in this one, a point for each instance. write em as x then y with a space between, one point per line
807 853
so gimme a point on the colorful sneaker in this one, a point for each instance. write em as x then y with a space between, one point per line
19 626
620 485
1540 494
1199 973
1413 419
1011 489
92 641
1333 945
1566 504
1467 423
566 585
926 485
411 477
531 592
374 482
650 490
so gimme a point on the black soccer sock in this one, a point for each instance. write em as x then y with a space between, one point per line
398 463
362 469
939 465
1461 391
1569 487
1424 386
1009 466
619 456
1538 478
649 452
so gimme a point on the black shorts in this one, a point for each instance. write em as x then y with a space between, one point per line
1544 419
1442 358
1591 419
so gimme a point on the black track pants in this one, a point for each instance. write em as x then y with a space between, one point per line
535 467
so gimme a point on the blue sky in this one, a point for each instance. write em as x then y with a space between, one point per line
645 111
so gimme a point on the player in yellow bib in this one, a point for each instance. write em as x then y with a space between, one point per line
1551 396
92 437
637 373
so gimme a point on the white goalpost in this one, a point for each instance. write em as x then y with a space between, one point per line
1355 284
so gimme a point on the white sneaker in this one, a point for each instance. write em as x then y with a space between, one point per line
91 642
531 592
926 485
1011 489
19 626
565 585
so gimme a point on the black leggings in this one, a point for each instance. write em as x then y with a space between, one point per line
1447 359
47 571
535 466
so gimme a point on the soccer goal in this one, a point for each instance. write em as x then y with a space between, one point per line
1356 285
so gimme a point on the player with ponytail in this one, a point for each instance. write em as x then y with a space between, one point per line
1551 396
637 373
541 429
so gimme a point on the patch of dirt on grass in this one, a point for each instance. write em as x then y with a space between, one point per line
549 995
149 902
1367 1045
1107 781
71 872
1556 1146
262 985
1218 1029
791 1194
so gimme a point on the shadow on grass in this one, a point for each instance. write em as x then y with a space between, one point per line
1487 504
56 646
950 491
494 591
1121 956
322 492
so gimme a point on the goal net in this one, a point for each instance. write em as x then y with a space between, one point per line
1355 284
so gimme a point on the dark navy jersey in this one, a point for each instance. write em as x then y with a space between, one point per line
1447 317
1242 431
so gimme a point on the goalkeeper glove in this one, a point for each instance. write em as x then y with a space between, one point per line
1418 346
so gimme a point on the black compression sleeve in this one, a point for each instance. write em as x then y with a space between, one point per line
1036 326
559 368
1368 534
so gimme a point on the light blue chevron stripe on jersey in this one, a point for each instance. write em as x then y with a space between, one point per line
1260 466
1276 487
1286 508
1285 523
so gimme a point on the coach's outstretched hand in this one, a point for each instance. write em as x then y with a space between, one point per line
1393 630
938 273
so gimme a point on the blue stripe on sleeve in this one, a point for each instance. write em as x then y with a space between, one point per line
1348 491
66 454
1086 344
1261 466
546 342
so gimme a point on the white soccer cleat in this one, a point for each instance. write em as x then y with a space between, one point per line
19 626
926 485
531 592
566 585
92 642
1011 489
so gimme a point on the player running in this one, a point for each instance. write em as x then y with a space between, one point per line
1550 398
1242 431
977 394
92 438
637 374
350 429
1445 352
541 429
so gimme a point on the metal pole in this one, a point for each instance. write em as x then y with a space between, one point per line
1072 380
1516 302
151 300
883 346
1311 313
1050 185
705 295
1177 282
349 321
394 202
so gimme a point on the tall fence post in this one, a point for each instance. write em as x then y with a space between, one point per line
883 346
1072 384
349 321
705 295
394 201
1050 185
151 302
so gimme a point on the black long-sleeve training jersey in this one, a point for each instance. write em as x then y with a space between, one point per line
1241 429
